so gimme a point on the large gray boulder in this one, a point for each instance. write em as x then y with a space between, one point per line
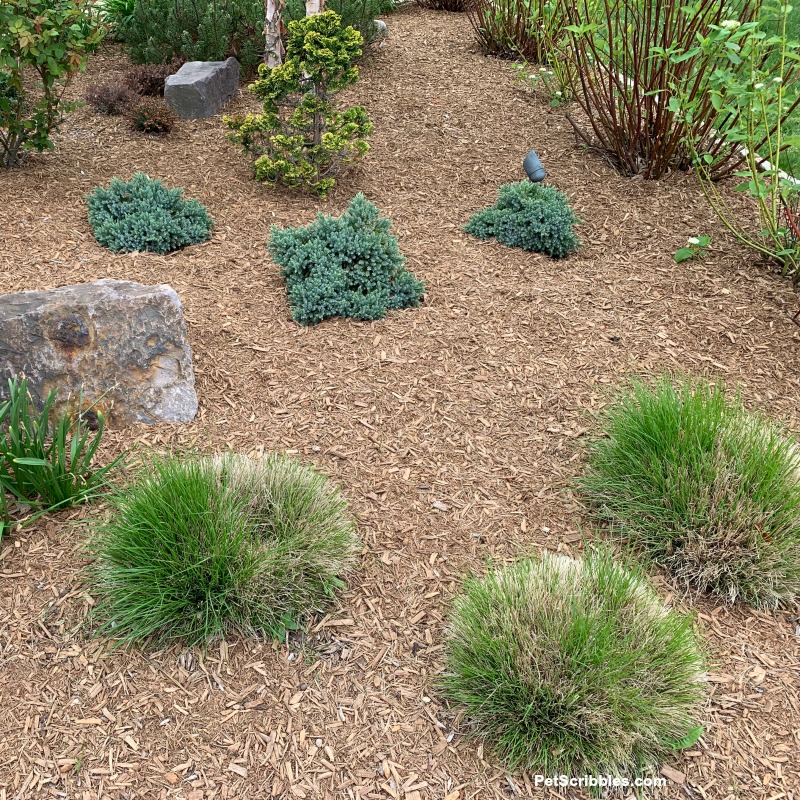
199 89
116 340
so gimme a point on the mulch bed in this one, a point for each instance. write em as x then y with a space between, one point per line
455 430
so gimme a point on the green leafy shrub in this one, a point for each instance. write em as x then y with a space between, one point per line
116 11
348 266
756 99
198 547
46 456
143 214
703 488
533 216
148 79
109 98
160 31
634 69
302 139
151 115
43 43
528 29
574 667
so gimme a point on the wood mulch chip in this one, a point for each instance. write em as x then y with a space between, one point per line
455 430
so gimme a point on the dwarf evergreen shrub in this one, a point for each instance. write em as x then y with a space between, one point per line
348 266
198 547
703 488
574 667
159 31
143 214
302 138
533 216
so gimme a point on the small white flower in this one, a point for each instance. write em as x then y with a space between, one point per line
542 69
759 86
559 93
777 80
730 24
694 240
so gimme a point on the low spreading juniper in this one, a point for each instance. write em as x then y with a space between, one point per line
533 216
348 266
143 214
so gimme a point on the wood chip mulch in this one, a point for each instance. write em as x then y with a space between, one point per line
455 430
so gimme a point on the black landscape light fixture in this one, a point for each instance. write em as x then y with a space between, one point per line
533 167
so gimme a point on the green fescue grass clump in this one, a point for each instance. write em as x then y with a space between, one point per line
533 216
574 667
705 489
198 547
144 215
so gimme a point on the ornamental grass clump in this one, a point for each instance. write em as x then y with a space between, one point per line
348 266
703 488
143 214
533 216
47 455
302 139
198 547
574 667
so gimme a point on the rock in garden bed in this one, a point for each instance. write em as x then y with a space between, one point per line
120 341
199 89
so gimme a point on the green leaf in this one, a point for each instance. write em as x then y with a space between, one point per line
684 254
31 462
691 738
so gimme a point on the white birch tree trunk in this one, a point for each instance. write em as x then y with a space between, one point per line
273 55
316 7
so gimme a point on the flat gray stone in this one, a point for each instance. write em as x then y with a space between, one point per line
199 89
120 339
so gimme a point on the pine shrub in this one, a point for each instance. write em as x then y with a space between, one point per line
159 31
198 547
703 488
533 216
348 266
110 98
151 115
302 139
143 214
574 667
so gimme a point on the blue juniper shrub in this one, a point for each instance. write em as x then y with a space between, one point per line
143 214
533 216
348 266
